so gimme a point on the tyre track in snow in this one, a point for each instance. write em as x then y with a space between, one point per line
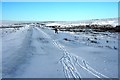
71 61
19 57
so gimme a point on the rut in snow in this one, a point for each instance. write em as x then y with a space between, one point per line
19 57
71 61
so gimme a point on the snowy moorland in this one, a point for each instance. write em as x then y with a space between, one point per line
34 51
109 21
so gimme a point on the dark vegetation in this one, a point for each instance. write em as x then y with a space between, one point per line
80 28
85 28
66 39
11 26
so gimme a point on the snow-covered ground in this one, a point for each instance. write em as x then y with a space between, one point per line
108 21
34 52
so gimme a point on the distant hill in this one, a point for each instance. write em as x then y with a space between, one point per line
107 21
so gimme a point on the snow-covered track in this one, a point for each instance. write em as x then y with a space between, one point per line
70 62
12 64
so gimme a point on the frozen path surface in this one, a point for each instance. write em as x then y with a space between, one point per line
32 53
39 53
45 58
16 51
73 65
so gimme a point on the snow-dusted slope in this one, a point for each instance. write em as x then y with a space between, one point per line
34 52
112 22
109 21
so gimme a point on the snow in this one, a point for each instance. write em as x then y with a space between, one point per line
78 47
109 21
53 24
34 52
